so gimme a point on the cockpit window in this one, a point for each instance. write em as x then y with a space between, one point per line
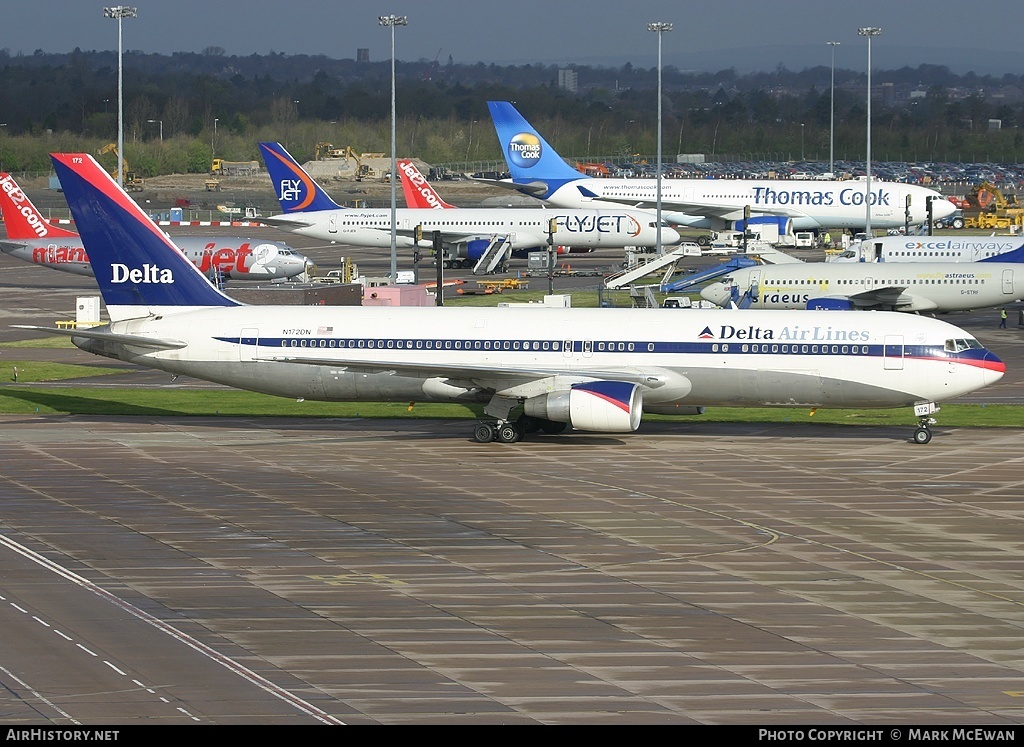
960 345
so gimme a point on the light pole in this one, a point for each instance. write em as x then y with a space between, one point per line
213 143
801 141
392 21
659 28
832 114
161 123
868 31
120 12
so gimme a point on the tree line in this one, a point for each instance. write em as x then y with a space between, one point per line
180 110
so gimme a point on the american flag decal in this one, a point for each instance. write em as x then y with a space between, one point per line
324 330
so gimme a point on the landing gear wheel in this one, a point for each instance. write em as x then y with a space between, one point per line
922 435
483 433
509 433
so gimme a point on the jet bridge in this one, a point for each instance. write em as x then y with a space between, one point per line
698 278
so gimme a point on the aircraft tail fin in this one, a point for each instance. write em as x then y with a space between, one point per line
138 269
21 218
1012 256
528 155
417 190
296 190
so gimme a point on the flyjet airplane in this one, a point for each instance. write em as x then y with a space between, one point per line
895 286
419 193
32 238
539 171
481 238
595 369
931 249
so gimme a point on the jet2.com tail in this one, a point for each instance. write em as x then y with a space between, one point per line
529 157
296 190
22 219
138 269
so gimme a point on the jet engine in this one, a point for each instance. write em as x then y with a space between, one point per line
605 406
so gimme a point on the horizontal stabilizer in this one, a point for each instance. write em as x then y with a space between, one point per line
99 334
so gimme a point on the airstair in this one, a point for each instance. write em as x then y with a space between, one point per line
698 278
494 255
627 276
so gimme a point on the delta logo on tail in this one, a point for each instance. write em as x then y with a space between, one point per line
22 219
416 189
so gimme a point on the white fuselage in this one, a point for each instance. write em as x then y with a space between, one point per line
697 357
949 248
811 204
235 259
906 286
526 228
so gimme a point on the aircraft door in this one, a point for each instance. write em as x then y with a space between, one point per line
332 223
567 348
588 348
1008 282
892 354
248 344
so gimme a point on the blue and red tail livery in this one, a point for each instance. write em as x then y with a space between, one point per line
134 262
295 189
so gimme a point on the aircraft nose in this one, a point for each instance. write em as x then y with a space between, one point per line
942 208
994 368
716 293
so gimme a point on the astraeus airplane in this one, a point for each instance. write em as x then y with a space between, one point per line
32 238
536 369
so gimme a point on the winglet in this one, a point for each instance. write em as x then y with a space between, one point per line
296 190
138 269
528 155
416 189
22 219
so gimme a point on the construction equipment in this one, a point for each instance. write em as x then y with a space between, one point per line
213 185
220 167
988 208
132 181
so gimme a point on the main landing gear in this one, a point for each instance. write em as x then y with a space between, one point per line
924 419
512 431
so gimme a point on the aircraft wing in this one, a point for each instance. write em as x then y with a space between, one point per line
531 188
653 378
295 220
99 334
892 296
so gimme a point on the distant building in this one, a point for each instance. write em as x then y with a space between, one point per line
567 79
362 55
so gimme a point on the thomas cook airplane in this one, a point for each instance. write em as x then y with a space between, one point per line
482 238
539 171
32 238
595 369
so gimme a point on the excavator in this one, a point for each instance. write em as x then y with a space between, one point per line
132 181
988 208
327 151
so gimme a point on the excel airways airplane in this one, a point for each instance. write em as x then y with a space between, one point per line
474 232
931 249
897 286
31 238
419 193
718 204
595 369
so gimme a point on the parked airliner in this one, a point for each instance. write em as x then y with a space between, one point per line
419 193
897 286
595 369
539 171
479 233
32 238
957 248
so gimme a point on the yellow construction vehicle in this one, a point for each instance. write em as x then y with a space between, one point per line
987 208
132 182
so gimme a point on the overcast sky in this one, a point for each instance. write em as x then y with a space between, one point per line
745 34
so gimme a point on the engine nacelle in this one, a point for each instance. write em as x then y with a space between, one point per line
673 409
604 406
831 304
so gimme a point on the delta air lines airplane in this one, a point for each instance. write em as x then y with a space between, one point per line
718 204
536 369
